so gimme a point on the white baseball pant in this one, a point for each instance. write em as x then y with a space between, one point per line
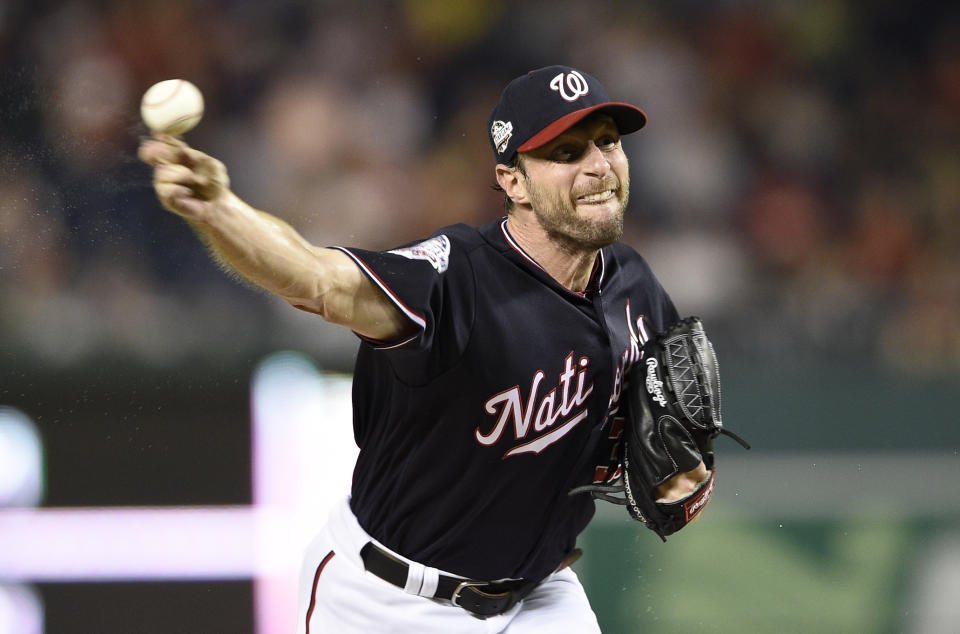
337 596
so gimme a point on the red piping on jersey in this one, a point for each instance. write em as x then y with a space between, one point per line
516 247
385 345
414 317
313 591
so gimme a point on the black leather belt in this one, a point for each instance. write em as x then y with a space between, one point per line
481 598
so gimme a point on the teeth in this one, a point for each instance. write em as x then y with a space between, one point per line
598 196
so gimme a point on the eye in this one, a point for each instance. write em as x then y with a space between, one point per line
608 141
565 153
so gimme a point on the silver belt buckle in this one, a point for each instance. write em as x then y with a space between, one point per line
465 584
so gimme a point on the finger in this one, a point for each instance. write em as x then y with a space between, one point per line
700 472
166 138
152 152
181 200
156 152
189 207
173 192
163 148
169 139
215 173
195 158
185 155
179 174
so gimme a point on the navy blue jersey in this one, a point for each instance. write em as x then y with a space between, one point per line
473 430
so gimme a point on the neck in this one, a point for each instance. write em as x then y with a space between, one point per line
567 263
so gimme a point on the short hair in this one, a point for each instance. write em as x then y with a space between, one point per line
517 164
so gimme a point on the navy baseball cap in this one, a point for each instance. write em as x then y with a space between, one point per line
535 108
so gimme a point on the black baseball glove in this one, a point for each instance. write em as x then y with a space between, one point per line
673 394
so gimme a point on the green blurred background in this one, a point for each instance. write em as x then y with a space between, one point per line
844 520
798 186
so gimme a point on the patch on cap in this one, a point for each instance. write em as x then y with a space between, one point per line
501 131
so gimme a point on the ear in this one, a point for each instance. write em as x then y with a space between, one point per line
512 182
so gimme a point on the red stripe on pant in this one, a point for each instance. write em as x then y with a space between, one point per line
313 591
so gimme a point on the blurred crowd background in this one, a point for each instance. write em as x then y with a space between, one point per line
798 183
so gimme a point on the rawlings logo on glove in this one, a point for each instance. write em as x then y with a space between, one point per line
655 386
673 418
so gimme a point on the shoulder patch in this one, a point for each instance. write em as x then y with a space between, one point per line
436 251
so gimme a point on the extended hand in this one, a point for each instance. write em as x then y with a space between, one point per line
188 182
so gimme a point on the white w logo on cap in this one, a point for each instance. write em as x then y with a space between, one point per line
572 81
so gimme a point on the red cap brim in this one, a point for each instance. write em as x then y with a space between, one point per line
629 119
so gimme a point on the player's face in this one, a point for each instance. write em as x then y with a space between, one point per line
578 184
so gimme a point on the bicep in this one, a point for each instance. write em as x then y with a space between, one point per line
344 295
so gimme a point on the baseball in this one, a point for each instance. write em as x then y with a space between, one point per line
173 106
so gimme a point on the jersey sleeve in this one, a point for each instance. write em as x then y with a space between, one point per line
668 312
432 283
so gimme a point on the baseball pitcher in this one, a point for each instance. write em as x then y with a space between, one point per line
498 369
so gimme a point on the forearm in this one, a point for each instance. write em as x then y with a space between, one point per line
263 249
268 252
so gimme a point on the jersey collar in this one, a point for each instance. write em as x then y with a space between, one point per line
596 276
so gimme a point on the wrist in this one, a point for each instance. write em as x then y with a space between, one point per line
221 212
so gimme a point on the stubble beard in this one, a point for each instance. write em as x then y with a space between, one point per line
575 233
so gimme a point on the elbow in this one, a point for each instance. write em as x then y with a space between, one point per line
304 306
314 305
325 304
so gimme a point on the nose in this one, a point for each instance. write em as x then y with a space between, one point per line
595 162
